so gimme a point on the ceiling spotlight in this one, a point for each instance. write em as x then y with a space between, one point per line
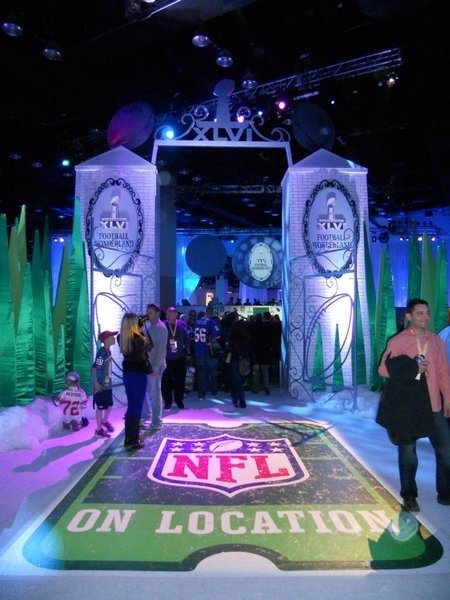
248 81
52 51
282 106
224 59
11 26
200 39
391 80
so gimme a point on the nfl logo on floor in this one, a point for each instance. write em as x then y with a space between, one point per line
227 464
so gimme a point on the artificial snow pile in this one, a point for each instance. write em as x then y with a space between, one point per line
24 427
364 405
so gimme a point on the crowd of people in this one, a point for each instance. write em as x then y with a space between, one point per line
219 344
234 354
158 348
239 302
256 302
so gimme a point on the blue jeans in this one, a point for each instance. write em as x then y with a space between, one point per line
408 462
135 386
153 400
206 368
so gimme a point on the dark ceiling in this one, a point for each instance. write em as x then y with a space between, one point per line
117 52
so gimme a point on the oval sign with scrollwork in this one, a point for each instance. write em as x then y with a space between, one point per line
257 261
114 227
331 227
260 261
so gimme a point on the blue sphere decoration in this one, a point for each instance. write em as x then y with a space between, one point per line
206 255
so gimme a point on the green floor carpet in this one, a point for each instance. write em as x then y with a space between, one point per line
289 492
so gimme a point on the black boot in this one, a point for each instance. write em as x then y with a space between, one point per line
134 442
128 431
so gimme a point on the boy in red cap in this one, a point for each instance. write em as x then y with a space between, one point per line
101 377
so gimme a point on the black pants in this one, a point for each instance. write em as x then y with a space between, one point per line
173 380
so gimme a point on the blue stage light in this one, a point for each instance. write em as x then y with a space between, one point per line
168 133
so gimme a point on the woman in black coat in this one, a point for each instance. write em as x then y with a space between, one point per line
136 367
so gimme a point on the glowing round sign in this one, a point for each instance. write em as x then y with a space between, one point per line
260 262
257 262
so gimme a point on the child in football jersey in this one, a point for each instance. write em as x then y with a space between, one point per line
101 378
73 400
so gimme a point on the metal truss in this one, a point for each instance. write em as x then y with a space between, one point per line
230 231
380 61
215 189
371 63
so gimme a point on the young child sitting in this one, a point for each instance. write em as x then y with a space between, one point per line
101 377
73 399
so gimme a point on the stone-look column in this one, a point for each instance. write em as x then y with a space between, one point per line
119 198
167 225
319 265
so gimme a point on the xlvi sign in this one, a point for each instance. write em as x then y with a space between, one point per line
331 227
114 226
227 464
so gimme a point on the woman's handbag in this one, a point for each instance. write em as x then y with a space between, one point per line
244 366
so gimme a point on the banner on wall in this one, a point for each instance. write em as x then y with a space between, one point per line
331 227
257 261
114 226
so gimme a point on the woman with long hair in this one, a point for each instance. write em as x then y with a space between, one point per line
136 366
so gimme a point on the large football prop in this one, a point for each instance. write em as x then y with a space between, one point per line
131 125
